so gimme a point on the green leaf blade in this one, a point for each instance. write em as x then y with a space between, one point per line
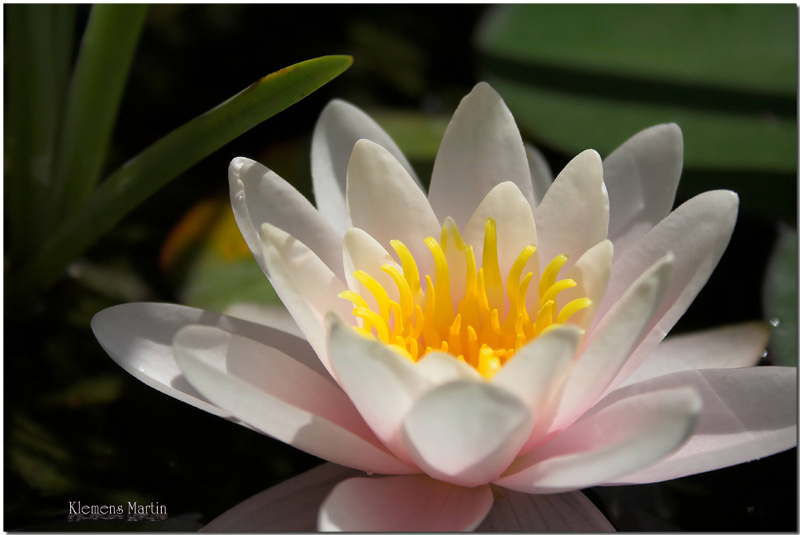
780 299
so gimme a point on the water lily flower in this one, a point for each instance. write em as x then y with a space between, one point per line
498 341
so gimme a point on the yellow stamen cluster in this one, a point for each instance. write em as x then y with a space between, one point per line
483 330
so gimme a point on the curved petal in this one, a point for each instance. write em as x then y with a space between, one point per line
278 396
271 315
591 272
362 252
573 216
403 503
466 433
439 368
642 176
305 285
290 506
697 233
260 196
138 336
550 513
382 384
383 200
748 413
733 346
481 148
338 128
617 440
541 175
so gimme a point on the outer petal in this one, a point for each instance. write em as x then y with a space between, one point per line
403 503
290 506
138 336
733 346
573 216
338 128
260 196
697 232
541 175
305 285
383 200
466 433
619 439
748 413
552 513
276 395
642 176
271 315
481 148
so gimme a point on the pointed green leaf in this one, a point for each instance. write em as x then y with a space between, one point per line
780 299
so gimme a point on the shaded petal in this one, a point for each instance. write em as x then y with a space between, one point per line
573 216
272 315
591 273
280 397
642 176
305 285
697 232
748 413
260 196
439 368
617 440
733 346
523 512
466 433
361 251
403 503
338 128
383 200
290 506
541 175
481 148
138 336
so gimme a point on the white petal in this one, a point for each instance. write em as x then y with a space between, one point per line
290 506
273 315
480 149
573 216
382 384
697 232
439 368
608 443
551 513
383 200
138 336
591 272
642 176
362 252
278 396
305 285
733 346
541 175
611 344
403 503
338 128
539 368
260 196
748 413
466 433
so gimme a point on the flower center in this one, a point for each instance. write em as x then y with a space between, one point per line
483 329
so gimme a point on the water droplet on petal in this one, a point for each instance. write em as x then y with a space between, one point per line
764 354
370 472
775 322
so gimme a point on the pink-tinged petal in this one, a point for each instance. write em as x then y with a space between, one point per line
748 413
619 439
260 196
439 368
480 149
362 252
591 272
733 346
541 175
642 176
539 368
272 315
290 506
697 232
383 200
573 216
382 384
466 433
339 127
611 344
138 336
516 228
553 513
280 397
403 503
305 285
